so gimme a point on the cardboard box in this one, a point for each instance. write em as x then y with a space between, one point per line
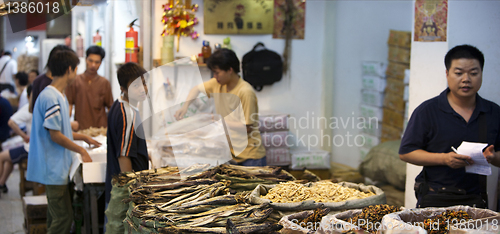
323 174
375 83
370 141
274 139
314 159
407 76
373 98
278 156
269 121
38 227
35 214
374 129
399 54
393 118
406 93
394 102
369 112
95 172
35 207
390 133
374 68
400 38
396 70
395 86
92 172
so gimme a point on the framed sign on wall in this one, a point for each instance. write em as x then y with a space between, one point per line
238 16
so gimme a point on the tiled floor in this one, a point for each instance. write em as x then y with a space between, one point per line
11 210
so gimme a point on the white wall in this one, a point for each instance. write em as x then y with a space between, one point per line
14 41
362 30
469 22
123 12
483 17
298 95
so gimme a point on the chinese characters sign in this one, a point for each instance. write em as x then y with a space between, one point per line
238 16
431 20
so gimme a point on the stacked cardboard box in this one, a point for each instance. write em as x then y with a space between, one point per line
35 214
372 100
274 131
396 92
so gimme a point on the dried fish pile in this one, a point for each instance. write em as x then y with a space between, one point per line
246 178
93 132
372 215
321 191
204 203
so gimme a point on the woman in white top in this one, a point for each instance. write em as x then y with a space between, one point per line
10 157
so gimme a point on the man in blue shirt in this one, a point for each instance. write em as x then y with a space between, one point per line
51 143
458 114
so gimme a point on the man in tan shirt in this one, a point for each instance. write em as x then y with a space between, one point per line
90 93
229 90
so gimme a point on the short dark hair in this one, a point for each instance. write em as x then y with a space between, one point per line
7 52
22 77
61 61
128 72
56 49
35 71
463 51
28 90
96 50
224 59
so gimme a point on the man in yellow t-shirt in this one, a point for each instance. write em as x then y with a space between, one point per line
229 90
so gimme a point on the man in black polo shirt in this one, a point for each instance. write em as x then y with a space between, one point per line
458 114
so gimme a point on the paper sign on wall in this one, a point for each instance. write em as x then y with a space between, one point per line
431 20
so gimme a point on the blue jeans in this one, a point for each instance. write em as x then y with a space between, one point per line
254 162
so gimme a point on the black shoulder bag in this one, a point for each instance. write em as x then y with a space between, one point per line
450 196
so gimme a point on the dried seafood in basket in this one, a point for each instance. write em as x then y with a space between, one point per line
315 217
441 223
322 191
371 216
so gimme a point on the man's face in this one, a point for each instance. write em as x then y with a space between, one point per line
93 62
222 76
138 89
31 77
464 77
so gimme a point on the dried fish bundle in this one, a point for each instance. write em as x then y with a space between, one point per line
270 173
249 228
371 215
203 203
322 191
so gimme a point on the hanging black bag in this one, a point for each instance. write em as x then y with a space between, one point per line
262 67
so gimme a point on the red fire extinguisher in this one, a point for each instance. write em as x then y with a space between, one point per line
131 44
97 39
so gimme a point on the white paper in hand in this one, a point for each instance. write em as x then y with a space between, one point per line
475 151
